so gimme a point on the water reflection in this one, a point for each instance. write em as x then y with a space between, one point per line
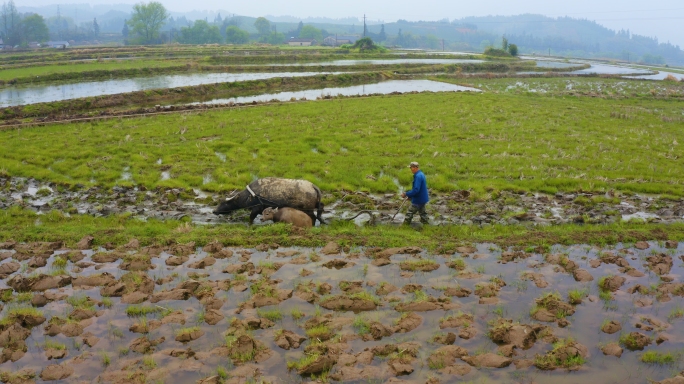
385 87
377 62
48 93
661 75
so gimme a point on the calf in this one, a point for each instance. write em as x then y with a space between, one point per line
287 215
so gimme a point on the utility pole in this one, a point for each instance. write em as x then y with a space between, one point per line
59 23
364 25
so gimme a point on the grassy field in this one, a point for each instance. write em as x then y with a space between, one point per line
24 225
66 67
483 142
574 86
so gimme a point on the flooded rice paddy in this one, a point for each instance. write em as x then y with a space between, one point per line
183 312
14 96
377 62
48 93
384 88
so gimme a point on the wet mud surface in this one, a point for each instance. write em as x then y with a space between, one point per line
190 313
459 207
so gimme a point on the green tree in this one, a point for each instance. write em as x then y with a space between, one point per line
147 20
10 23
382 36
484 44
311 32
275 38
513 49
96 28
263 26
34 29
235 35
200 33
504 44
432 42
124 31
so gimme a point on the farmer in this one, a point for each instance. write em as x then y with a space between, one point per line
419 195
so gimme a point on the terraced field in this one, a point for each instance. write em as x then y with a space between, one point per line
554 253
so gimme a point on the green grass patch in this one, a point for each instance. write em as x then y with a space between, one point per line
59 263
24 297
361 325
51 344
675 313
142 310
107 302
297 314
576 295
186 331
149 362
661 358
303 362
363 295
80 301
23 311
105 359
271 314
319 332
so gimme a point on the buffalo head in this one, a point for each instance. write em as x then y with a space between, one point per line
229 205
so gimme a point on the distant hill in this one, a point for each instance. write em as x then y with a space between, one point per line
538 33
532 33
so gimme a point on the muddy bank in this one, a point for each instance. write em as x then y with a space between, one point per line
459 207
207 313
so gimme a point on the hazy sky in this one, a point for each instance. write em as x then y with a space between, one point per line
661 18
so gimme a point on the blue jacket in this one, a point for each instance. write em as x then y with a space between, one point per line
419 193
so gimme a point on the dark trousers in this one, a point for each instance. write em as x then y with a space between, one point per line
420 209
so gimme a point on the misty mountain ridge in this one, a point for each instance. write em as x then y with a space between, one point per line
532 33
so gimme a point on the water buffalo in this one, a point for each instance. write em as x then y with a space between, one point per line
276 193
287 215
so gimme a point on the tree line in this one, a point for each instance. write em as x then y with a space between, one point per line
20 29
147 20
17 29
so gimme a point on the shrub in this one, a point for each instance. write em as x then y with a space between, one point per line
491 51
513 50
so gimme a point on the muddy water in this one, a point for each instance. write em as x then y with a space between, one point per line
385 87
43 94
515 302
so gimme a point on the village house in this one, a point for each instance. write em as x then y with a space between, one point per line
337 40
57 44
301 42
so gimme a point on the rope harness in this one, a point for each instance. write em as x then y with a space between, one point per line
262 199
